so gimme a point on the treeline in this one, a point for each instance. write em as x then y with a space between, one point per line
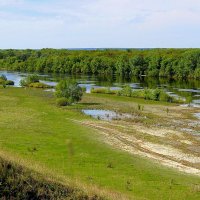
171 63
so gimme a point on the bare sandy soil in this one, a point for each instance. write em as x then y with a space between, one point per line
172 140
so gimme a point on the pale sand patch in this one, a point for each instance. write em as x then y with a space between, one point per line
162 154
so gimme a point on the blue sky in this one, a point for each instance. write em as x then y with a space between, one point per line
99 23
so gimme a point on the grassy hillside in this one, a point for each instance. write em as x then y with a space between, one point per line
47 139
16 182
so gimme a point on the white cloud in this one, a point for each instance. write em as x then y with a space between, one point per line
99 23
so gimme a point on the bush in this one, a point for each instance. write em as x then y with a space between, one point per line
3 77
156 94
29 80
165 97
8 82
126 91
32 78
39 85
63 101
84 89
23 83
69 90
4 81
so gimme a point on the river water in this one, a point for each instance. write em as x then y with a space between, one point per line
180 89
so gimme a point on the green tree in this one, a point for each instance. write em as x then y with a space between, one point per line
70 90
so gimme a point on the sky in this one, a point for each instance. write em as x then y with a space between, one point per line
39 24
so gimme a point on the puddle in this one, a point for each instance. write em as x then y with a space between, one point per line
106 114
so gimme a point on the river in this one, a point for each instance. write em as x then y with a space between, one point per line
179 89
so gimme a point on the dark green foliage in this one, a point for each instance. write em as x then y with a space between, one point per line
9 82
126 91
4 81
172 63
148 94
21 184
70 90
33 81
29 80
63 101
3 77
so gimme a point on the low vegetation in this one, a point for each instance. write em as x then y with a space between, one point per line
17 182
68 92
147 94
4 81
103 91
33 81
56 139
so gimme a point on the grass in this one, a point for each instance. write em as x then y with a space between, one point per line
33 128
147 94
16 182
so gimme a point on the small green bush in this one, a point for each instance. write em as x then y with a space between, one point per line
32 78
9 82
126 91
4 81
3 77
63 101
29 80
69 89
83 89
39 85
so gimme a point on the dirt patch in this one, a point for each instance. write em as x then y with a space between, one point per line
163 154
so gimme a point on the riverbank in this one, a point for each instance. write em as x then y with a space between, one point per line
104 157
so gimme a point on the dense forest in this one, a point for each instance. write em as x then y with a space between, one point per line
171 63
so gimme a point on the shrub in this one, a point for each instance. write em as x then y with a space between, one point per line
165 97
28 80
32 78
8 82
23 83
39 85
126 91
84 89
63 101
4 81
70 90
156 94
3 77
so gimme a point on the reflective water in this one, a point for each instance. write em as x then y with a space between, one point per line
106 114
183 89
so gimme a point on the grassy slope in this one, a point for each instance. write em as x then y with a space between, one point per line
16 182
33 128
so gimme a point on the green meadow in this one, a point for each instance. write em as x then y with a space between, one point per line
47 139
